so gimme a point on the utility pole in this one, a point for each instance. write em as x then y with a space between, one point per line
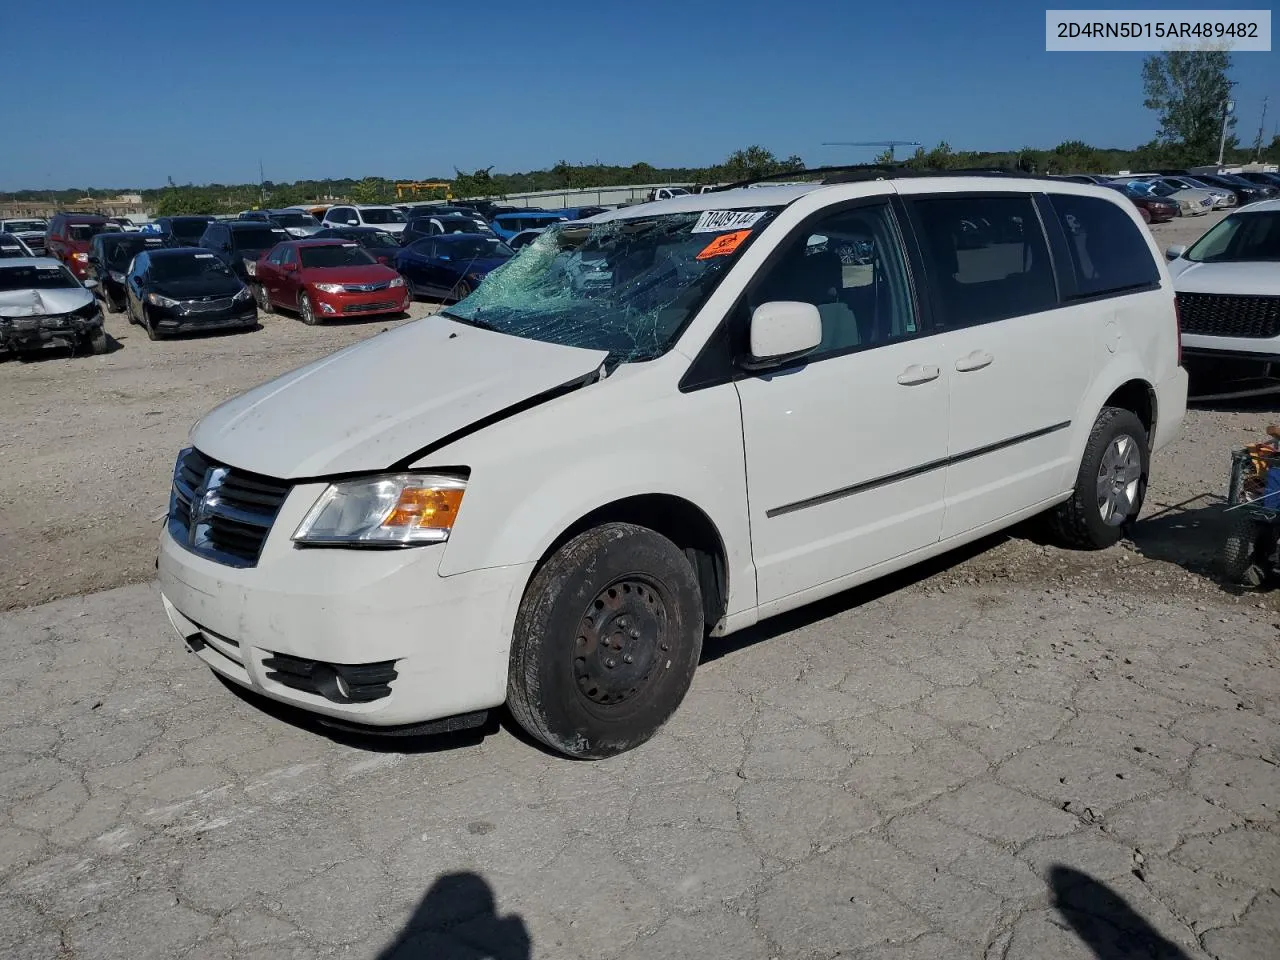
1257 143
1227 107
262 185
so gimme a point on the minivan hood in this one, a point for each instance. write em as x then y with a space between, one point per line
376 403
1243 277
37 303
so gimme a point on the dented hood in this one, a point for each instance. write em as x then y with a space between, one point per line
36 303
374 404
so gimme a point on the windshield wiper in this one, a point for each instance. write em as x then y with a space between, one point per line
482 325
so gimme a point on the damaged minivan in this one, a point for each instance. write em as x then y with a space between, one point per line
550 493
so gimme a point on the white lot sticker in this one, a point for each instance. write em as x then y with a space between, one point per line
715 221
204 256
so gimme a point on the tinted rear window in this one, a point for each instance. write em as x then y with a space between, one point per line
990 257
1108 251
257 238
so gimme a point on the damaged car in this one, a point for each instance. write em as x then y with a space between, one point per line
548 494
42 305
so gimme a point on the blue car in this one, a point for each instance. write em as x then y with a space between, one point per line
507 225
451 265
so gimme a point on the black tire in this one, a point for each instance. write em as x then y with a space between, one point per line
1238 558
109 303
606 640
264 301
306 311
128 312
1080 521
98 343
147 325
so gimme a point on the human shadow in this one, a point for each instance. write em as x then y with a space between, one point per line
458 920
1104 921
1187 534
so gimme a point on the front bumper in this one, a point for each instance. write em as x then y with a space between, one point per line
35 333
181 320
1259 348
448 637
373 303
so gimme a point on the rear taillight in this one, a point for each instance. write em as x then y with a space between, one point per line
1177 320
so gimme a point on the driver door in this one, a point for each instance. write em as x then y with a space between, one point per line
290 271
846 448
269 275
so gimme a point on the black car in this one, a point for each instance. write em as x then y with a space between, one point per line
182 231
1245 191
1260 177
442 210
182 289
109 257
239 243
379 244
486 208
421 227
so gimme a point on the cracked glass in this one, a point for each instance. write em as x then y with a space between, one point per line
628 286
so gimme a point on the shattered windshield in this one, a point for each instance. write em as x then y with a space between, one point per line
625 286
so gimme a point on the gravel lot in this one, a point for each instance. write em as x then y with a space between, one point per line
1014 753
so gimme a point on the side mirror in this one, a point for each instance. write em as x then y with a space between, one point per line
354 223
782 330
91 284
290 267
1174 251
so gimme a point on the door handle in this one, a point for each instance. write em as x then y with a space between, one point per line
917 374
974 361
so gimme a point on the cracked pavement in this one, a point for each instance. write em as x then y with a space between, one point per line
974 770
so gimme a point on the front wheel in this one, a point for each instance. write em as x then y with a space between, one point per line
264 299
1111 483
147 325
606 640
307 311
98 342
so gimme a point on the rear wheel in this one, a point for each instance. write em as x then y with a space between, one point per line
606 641
1110 485
307 311
1240 560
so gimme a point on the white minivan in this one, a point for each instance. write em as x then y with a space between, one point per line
387 219
548 494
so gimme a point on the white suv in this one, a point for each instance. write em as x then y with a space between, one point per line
548 494
388 219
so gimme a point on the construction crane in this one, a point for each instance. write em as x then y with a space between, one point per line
891 144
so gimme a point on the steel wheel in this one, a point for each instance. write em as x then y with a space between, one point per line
1119 474
622 635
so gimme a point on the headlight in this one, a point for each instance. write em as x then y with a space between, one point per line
398 282
156 300
80 257
116 275
244 293
329 287
397 510
251 267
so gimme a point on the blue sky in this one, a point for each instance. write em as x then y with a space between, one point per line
134 92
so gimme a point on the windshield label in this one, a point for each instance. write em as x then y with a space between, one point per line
204 256
724 245
716 221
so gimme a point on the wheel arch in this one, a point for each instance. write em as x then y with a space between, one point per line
679 520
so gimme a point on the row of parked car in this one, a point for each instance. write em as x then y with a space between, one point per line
201 273
1164 194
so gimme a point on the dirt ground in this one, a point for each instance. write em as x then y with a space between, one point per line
87 447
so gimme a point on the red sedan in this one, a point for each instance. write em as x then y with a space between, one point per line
327 278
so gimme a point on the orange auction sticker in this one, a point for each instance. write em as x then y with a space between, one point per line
724 244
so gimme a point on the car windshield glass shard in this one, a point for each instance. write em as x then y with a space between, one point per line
335 256
35 278
1240 237
195 266
382 216
625 286
257 239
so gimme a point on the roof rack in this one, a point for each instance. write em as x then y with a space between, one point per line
856 173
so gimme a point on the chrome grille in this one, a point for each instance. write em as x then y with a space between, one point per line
366 287
208 305
221 512
369 307
1223 315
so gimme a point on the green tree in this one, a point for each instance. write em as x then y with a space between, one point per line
373 190
755 161
478 183
1188 90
